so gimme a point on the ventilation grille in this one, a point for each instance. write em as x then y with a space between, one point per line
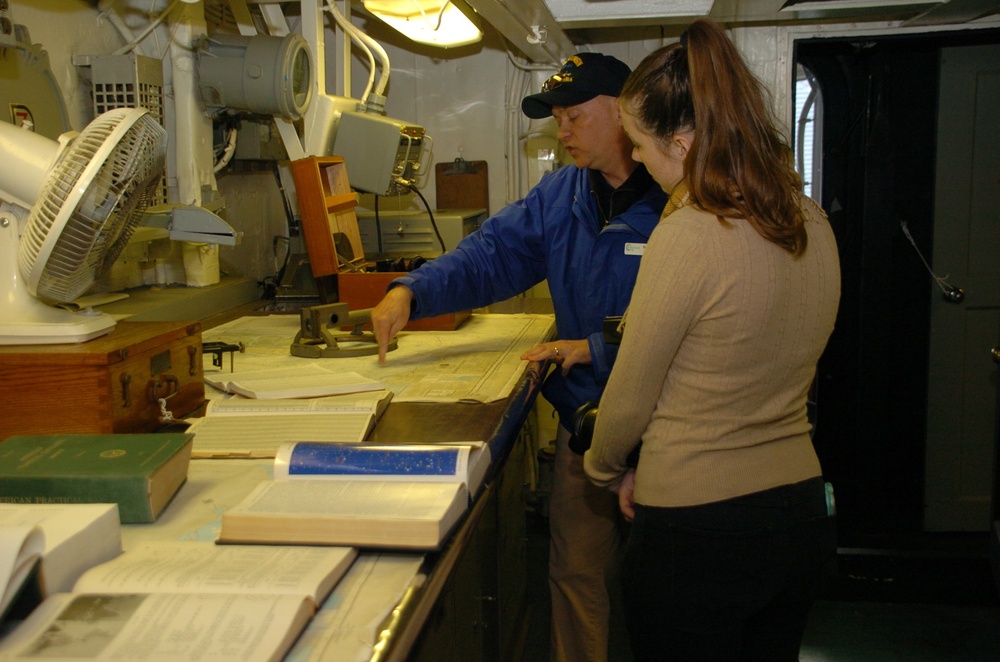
219 17
130 81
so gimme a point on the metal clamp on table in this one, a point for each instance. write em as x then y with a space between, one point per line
317 337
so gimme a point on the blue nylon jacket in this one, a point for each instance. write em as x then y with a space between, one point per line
553 233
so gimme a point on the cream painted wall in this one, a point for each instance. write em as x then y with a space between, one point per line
458 97
464 97
65 28
254 206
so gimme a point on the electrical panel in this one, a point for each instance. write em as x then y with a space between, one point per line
382 154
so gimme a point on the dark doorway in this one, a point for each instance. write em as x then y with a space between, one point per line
880 124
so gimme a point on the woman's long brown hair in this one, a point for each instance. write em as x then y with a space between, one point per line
739 165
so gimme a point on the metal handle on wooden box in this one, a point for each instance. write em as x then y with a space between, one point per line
171 383
126 381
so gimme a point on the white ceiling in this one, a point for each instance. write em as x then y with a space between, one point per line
603 13
538 27
598 13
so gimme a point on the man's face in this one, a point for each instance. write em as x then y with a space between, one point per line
592 132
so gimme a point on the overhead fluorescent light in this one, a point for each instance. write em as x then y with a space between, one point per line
577 14
444 23
802 5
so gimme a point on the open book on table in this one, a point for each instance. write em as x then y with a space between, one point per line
464 463
400 496
58 541
241 427
184 600
310 380
21 550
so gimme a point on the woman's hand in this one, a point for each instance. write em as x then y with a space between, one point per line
566 353
626 495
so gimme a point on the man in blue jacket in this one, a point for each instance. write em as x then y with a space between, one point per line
583 228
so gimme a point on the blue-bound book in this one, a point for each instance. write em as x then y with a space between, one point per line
463 463
401 496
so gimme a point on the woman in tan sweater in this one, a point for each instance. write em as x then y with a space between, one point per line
735 300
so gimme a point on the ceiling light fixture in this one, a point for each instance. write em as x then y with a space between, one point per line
444 23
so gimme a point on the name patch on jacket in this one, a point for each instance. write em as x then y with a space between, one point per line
633 248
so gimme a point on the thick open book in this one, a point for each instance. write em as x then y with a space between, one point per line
464 463
185 600
359 513
311 380
74 537
204 567
21 550
160 627
241 427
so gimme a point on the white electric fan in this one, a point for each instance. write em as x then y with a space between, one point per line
82 196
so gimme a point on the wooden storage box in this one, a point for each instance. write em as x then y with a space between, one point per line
364 290
327 206
109 384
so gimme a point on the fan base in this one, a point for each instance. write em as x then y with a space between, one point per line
55 326
28 321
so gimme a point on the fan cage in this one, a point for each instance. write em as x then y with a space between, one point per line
91 202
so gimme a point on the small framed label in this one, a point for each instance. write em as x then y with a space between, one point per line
632 248
160 363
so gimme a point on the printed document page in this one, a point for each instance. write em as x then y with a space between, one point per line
168 627
361 608
348 625
204 567
310 380
245 427
478 362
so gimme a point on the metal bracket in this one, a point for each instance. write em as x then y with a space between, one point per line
315 338
218 348
191 223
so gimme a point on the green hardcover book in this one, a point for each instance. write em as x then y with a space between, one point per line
139 472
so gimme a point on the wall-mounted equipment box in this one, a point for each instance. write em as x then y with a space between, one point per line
410 233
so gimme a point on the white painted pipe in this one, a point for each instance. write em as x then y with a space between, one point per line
27 158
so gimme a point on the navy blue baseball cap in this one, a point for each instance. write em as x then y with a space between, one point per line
581 78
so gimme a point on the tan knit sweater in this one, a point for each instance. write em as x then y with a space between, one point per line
720 346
